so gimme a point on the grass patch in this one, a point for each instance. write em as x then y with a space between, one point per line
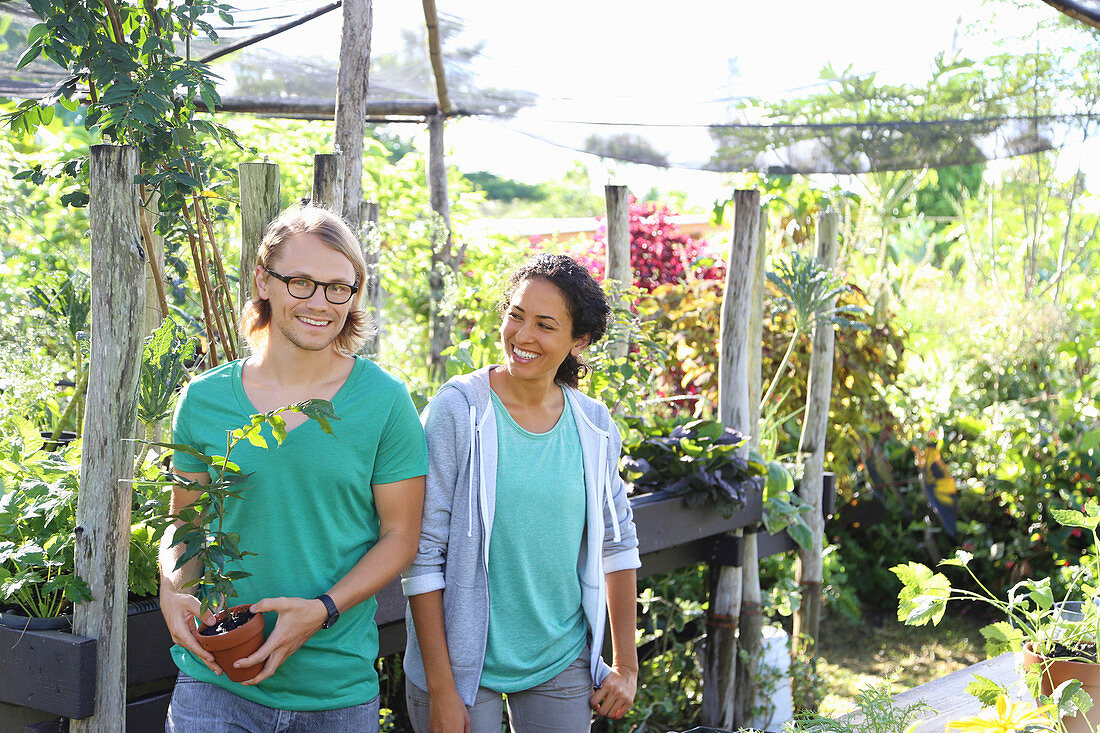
852 656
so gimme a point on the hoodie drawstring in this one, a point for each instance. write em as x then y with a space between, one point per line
473 453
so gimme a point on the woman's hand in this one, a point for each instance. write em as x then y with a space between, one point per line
298 620
447 713
615 696
180 611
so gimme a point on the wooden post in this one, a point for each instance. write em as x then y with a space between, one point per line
351 103
811 444
328 182
750 637
617 255
733 411
443 260
260 203
618 234
102 535
371 242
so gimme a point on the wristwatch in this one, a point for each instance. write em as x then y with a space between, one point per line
333 612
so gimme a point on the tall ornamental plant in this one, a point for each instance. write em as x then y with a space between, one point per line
133 82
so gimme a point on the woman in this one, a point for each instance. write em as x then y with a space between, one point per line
527 530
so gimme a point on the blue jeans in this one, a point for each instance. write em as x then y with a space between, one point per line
200 707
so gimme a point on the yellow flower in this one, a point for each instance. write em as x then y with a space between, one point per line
1006 717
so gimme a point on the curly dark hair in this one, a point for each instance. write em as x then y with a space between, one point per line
587 304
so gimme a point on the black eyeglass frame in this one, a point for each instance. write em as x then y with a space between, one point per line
316 283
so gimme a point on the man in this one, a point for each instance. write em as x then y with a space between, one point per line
332 519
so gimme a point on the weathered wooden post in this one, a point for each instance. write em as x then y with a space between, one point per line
372 298
260 203
750 636
618 244
443 259
328 182
811 444
733 411
102 535
351 103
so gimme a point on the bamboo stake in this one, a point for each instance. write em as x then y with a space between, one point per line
809 569
102 534
204 291
154 246
733 411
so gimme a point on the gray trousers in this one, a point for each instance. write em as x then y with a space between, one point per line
559 705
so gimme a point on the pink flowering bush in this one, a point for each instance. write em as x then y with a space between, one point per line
659 252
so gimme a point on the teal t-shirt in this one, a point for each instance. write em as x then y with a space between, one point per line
536 623
308 513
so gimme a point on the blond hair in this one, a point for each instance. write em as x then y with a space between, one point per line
335 233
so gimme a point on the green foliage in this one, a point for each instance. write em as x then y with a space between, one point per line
1030 610
875 712
670 639
37 519
199 527
163 370
38 497
504 189
699 461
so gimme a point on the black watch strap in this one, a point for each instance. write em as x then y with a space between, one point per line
333 612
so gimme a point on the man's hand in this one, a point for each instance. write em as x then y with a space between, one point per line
298 620
616 694
180 611
447 713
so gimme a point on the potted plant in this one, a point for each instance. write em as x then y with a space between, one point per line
235 632
1059 639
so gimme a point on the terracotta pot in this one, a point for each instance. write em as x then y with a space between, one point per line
1057 671
232 645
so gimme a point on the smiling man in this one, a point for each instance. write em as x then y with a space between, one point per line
331 520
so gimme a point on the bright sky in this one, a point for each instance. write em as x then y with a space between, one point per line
596 60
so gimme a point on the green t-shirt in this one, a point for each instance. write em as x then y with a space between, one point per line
308 512
537 626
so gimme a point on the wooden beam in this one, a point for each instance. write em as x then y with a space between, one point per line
435 53
351 103
102 535
323 109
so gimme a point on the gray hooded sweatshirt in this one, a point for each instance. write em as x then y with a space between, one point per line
453 555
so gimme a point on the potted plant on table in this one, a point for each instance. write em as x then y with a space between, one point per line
1058 639
235 632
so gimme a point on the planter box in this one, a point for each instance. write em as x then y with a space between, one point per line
45 674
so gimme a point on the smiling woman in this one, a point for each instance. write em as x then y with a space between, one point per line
513 616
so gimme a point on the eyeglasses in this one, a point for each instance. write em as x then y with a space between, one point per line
303 288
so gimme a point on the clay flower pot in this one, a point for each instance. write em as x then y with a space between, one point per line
1055 672
235 644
